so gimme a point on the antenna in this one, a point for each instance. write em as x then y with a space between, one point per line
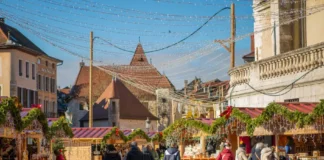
139 39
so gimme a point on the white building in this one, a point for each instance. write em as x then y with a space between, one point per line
283 54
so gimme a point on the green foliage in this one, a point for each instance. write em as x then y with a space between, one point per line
138 132
61 123
58 146
13 106
301 119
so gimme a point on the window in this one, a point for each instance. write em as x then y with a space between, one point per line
20 67
81 106
292 100
53 103
19 94
113 107
31 98
53 65
38 61
39 82
43 83
46 63
27 69
45 107
25 97
113 124
33 71
46 84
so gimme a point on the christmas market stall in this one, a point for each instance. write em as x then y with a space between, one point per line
195 136
297 125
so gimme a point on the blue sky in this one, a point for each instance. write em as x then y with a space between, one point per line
67 23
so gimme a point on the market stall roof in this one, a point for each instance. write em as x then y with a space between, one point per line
208 121
95 132
304 107
51 120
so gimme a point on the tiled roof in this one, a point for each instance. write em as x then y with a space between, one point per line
95 132
65 90
149 76
22 42
250 55
17 37
139 58
129 106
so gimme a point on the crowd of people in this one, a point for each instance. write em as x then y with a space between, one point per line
147 153
260 151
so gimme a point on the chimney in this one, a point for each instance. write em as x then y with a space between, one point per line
185 87
2 20
81 64
252 43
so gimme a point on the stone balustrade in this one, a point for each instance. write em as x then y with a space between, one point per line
292 62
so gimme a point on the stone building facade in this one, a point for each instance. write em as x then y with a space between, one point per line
21 64
139 69
294 51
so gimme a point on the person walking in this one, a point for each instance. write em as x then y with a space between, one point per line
268 154
147 154
153 152
241 153
134 153
256 154
226 153
172 153
111 153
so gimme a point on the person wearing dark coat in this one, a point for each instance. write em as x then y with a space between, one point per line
134 153
147 154
111 153
172 153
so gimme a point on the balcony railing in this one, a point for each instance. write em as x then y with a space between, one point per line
292 62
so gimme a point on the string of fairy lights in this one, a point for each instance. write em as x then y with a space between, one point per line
201 51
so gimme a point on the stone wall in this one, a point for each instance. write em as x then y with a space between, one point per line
164 104
134 124
74 106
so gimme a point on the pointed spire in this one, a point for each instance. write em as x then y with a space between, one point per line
139 39
139 58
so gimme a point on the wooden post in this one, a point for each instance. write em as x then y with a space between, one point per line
277 142
233 32
203 143
90 82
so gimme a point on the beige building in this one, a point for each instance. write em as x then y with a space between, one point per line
292 48
22 64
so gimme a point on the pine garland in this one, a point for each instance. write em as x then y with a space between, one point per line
61 123
138 132
301 119
13 106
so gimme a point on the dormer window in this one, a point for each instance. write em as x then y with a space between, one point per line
141 59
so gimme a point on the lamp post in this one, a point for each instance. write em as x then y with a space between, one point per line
148 124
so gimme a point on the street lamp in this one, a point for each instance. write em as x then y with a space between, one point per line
148 124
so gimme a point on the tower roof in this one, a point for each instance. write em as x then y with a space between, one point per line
139 58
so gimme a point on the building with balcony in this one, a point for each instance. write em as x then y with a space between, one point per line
288 57
26 71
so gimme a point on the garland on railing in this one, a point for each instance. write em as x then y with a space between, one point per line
272 109
60 124
13 106
301 119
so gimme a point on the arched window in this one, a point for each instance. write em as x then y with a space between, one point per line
38 61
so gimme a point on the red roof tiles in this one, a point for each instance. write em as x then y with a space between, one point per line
139 58
129 106
95 132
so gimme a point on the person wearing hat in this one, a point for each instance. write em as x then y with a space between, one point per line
240 152
226 153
